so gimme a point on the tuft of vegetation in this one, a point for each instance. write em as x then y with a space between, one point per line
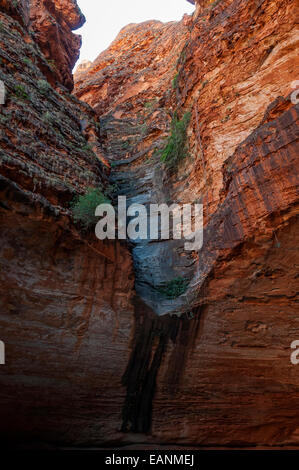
3 119
174 288
175 80
83 207
43 86
148 104
86 147
21 91
27 61
177 145
51 63
47 117
125 145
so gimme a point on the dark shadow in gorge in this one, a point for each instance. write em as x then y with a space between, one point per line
152 335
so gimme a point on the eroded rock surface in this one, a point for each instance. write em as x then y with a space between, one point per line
65 298
87 361
53 23
231 66
224 75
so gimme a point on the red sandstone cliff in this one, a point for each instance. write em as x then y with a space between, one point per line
85 364
53 21
231 66
63 294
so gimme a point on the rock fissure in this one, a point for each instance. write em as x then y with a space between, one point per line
95 352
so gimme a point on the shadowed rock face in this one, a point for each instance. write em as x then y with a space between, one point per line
65 297
19 10
88 362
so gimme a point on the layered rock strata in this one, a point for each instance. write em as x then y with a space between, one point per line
52 22
231 66
88 362
65 297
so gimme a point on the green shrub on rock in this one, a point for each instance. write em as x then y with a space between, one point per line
177 146
43 86
83 207
174 288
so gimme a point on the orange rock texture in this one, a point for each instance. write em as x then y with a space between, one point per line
64 295
226 376
89 359
53 21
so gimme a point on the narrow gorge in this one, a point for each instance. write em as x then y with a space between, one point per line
96 353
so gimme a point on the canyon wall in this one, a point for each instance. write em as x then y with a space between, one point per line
65 298
89 361
225 376
154 69
52 22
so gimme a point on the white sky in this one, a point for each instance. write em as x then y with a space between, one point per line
104 19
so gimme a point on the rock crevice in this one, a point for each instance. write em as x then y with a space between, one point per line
95 354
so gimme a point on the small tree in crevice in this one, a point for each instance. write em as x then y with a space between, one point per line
174 288
83 207
176 148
